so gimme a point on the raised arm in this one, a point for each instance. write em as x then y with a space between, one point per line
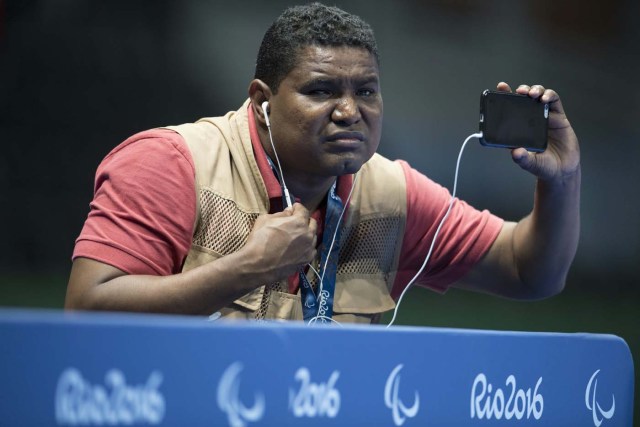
530 259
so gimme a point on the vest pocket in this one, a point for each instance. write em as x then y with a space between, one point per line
361 299
357 300
283 306
270 303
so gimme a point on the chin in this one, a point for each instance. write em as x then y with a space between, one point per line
349 166
345 164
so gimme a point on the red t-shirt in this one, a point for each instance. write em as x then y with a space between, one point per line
143 212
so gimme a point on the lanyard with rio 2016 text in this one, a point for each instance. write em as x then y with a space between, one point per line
319 305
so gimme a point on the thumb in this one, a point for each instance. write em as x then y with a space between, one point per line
526 160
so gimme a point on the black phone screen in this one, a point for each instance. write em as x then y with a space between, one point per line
512 120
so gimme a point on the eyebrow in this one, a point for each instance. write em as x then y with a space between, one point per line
332 81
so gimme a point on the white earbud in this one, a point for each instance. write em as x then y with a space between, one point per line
265 105
285 190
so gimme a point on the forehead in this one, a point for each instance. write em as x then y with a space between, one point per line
335 62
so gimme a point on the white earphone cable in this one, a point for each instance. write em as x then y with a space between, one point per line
285 190
435 236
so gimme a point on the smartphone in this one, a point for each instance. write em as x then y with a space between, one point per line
512 120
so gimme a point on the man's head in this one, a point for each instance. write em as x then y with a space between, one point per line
302 26
322 86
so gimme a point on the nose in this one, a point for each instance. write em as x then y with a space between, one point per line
346 111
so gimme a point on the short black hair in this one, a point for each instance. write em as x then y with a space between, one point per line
301 26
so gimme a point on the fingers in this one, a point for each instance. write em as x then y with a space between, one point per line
524 159
537 91
301 216
305 216
543 167
306 248
547 96
283 242
303 213
503 87
299 210
312 226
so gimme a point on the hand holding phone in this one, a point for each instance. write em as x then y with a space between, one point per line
512 120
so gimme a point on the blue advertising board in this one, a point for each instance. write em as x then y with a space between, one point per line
122 369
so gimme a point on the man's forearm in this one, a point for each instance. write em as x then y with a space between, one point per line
202 290
545 242
278 246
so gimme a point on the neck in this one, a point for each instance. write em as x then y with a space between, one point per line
312 191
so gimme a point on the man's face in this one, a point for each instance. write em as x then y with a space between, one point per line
326 117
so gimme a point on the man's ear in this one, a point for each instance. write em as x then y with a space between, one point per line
259 92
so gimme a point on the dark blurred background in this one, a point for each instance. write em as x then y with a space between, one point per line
78 77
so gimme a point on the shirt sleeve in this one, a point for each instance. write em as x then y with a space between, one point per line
465 237
143 210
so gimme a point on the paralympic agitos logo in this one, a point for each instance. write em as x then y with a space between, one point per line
590 400
399 411
229 402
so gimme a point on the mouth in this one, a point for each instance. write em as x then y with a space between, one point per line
346 140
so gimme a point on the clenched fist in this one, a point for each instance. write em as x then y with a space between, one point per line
282 243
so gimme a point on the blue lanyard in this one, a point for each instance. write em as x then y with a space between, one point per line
321 304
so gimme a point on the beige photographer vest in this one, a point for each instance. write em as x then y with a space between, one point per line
230 195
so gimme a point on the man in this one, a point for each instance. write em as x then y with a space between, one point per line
190 219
